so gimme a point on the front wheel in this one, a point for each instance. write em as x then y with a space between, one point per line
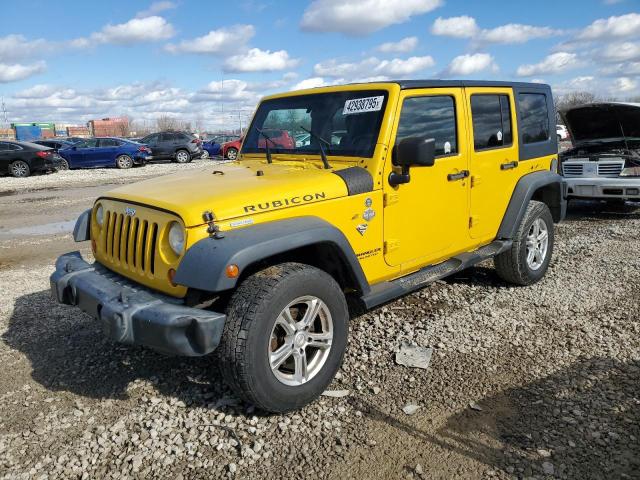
527 260
124 161
20 169
285 336
182 156
232 153
205 155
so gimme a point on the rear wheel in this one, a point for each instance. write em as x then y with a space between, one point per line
124 161
182 156
285 336
63 165
527 260
20 168
232 153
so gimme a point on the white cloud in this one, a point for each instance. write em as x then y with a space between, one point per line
624 85
455 27
372 67
471 63
37 91
402 46
312 82
229 91
514 33
555 63
216 42
613 27
256 60
361 17
17 71
511 33
156 8
621 69
136 30
17 47
620 52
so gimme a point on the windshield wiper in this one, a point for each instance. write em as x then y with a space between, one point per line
321 140
266 144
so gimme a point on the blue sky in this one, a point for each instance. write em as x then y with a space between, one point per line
69 61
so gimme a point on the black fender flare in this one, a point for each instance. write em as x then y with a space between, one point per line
204 264
545 186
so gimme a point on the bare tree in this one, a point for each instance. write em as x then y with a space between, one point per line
123 128
165 122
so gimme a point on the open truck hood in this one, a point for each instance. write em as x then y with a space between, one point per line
611 122
234 190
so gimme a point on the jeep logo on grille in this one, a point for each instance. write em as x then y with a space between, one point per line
130 211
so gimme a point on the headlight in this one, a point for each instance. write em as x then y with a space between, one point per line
630 172
176 238
100 215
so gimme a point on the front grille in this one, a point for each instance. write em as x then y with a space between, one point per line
130 242
610 169
572 169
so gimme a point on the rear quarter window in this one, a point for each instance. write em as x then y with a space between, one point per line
534 117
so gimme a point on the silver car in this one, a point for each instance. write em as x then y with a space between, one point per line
604 162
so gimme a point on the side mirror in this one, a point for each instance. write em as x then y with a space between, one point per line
412 151
74 148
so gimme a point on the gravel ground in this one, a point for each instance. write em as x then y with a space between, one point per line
536 382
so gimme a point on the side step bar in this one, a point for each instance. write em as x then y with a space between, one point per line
386 291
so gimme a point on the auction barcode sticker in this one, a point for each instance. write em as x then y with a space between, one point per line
361 105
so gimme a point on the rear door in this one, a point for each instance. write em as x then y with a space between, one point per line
494 165
153 142
426 219
5 156
107 151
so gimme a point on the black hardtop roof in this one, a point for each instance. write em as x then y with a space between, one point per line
409 84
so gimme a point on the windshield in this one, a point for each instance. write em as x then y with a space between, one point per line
343 123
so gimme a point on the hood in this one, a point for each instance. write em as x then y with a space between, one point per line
609 121
234 189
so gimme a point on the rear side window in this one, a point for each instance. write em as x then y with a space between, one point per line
534 117
491 115
109 142
433 117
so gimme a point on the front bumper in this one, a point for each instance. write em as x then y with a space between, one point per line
133 315
603 187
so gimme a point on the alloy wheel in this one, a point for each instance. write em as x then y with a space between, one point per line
537 244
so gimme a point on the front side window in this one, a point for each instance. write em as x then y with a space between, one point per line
108 142
88 143
491 115
534 117
433 117
343 123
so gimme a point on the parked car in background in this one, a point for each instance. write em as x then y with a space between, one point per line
562 132
105 152
21 159
278 140
222 138
210 148
180 147
605 160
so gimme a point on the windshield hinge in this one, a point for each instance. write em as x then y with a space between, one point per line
391 198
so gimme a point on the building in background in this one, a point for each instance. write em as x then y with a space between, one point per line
109 127
76 131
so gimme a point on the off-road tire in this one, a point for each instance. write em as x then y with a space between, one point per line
511 265
232 153
20 169
124 161
183 156
243 354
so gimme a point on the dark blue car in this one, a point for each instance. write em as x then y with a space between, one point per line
211 147
105 152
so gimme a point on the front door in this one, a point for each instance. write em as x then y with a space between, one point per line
426 220
495 168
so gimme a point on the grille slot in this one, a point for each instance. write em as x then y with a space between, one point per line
572 169
610 169
130 243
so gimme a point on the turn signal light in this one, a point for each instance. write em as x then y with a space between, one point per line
232 271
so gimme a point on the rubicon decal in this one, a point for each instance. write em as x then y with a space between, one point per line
285 202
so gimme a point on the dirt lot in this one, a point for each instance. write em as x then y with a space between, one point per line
537 382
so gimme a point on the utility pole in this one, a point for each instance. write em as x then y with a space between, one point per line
4 114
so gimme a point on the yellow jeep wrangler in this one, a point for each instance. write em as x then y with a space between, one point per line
342 196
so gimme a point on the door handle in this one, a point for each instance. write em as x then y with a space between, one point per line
452 177
509 165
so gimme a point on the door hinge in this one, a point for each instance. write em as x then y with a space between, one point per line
475 180
473 221
391 245
391 198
